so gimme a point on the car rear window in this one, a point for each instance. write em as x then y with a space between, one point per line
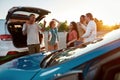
25 13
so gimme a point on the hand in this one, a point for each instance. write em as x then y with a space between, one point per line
68 43
27 23
81 39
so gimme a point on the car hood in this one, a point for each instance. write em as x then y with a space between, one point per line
23 68
9 74
22 13
28 65
29 62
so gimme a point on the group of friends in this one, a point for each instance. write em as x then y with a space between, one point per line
80 32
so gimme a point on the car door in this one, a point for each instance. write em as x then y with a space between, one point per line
75 75
110 70
105 67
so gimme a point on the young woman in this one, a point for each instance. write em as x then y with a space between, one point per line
53 37
72 35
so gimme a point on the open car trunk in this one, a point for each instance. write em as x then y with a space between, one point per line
15 29
15 19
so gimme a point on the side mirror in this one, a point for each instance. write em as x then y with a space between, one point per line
77 75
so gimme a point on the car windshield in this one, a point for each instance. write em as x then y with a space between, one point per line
67 54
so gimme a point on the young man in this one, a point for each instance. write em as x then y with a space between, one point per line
81 26
91 32
31 29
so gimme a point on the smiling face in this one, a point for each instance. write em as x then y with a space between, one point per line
87 19
52 24
70 26
82 19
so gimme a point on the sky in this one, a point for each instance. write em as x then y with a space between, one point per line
70 10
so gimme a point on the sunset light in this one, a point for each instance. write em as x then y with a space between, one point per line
70 10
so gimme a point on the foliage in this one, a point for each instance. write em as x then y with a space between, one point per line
116 26
101 27
99 24
63 27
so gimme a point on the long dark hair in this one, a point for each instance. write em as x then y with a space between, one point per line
75 28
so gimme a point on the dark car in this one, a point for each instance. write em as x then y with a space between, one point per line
15 43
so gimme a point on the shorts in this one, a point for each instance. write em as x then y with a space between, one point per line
34 48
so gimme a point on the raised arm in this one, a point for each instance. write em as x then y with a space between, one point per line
42 28
44 24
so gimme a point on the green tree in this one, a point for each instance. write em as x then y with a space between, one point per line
63 27
46 28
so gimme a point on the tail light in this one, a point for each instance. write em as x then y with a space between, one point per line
5 37
11 53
